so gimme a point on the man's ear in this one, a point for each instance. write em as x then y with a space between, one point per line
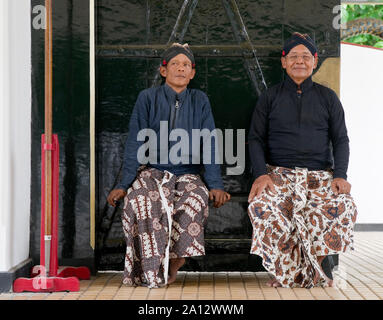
163 71
315 62
283 62
192 74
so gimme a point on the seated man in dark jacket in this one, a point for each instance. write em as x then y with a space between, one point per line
300 204
166 201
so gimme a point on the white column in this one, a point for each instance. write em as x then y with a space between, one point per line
20 50
15 131
5 119
361 96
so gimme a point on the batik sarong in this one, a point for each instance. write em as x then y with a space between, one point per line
156 202
302 221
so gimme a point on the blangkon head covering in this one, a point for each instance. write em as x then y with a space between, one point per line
174 50
297 39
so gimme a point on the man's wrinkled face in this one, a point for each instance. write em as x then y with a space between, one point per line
299 63
178 72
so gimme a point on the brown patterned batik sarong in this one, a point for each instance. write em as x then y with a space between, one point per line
156 202
302 221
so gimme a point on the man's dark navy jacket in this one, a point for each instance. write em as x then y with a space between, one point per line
292 129
155 105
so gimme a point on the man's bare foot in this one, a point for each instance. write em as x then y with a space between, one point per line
174 266
329 282
273 283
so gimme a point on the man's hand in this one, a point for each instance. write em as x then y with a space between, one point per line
340 185
263 182
219 197
115 195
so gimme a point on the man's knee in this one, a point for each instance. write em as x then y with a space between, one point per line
344 199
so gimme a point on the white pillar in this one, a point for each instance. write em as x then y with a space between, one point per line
15 131
361 96
5 163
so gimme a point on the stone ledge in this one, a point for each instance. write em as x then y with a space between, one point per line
21 270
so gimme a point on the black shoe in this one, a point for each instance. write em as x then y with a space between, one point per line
326 267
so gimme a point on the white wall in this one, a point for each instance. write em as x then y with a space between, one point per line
362 99
15 131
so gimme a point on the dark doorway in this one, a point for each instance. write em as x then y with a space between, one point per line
237 48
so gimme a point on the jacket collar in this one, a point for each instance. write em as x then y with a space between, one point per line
172 95
304 86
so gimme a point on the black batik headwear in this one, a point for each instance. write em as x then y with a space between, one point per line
297 39
175 50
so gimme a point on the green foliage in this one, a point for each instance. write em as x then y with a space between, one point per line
358 11
366 39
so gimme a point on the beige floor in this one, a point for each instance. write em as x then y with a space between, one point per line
359 277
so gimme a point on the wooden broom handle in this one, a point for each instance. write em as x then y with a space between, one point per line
48 117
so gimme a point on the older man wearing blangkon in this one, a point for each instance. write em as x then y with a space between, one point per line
300 203
166 200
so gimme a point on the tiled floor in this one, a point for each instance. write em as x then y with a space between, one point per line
359 276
